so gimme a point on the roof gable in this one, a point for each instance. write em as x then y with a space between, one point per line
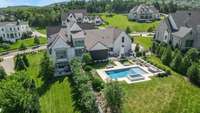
98 46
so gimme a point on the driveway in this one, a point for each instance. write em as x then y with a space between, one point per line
8 59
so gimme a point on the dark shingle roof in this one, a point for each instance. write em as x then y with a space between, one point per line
53 33
144 8
187 18
13 23
65 15
86 26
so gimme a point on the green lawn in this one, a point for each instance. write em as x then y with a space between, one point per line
121 21
146 42
55 97
174 94
41 30
28 42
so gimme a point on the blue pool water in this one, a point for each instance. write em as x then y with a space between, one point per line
114 74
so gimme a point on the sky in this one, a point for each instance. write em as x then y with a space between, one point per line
5 3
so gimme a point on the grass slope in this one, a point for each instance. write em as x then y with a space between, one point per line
55 97
28 42
121 21
146 42
172 94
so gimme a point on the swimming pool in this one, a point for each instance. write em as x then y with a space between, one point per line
119 73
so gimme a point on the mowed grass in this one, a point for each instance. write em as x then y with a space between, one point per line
29 42
41 30
55 97
145 42
122 22
174 94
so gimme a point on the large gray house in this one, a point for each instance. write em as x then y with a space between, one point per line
180 29
12 31
144 13
74 38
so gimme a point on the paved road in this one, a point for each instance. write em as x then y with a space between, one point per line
8 59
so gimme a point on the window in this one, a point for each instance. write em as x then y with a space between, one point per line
79 43
111 49
122 39
188 43
61 54
79 52
61 65
10 29
2 29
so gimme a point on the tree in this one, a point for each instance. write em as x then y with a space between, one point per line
194 74
19 63
36 41
114 97
154 46
18 94
26 62
193 54
2 73
185 64
22 47
87 59
46 67
137 48
176 62
167 56
128 30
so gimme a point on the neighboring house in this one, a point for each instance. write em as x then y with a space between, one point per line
2 17
66 43
79 16
180 29
144 13
12 31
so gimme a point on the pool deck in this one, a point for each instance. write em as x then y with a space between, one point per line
106 78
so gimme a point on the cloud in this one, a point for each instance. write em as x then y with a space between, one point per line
5 3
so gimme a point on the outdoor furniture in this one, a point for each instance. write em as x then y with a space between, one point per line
109 66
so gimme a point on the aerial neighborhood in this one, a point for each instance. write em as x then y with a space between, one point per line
100 56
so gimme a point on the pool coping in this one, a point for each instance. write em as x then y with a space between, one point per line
102 73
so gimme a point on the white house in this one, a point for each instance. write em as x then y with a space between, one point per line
79 16
66 43
12 31
144 13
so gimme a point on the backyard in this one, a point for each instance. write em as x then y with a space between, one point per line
145 42
172 94
55 97
121 21
41 30
29 42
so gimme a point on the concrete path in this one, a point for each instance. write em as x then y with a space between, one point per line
38 34
143 34
8 59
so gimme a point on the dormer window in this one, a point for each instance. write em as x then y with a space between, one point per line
122 39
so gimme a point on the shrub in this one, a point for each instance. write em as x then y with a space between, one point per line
22 47
97 84
5 45
87 59
194 74
2 73
87 68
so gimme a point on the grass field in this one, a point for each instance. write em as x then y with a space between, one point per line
28 42
55 97
146 42
121 21
172 94
41 30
